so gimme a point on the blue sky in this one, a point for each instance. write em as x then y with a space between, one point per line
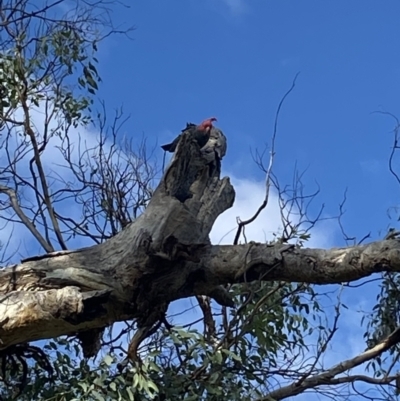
234 59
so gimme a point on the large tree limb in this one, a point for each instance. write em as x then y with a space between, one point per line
163 256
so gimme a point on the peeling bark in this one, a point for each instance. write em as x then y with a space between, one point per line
163 256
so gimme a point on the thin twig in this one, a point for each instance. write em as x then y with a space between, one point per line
242 224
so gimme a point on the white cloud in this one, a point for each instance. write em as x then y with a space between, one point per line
236 7
249 196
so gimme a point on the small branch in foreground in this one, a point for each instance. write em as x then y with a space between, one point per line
328 377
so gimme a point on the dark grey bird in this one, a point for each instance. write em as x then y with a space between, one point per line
201 133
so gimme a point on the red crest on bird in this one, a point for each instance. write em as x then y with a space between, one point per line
206 125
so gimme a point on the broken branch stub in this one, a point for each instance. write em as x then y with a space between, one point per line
154 260
162 256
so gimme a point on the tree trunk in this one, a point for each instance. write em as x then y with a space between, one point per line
162 256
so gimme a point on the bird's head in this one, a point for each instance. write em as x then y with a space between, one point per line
207 124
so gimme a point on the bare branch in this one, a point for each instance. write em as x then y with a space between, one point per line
242 224
328 376
14 203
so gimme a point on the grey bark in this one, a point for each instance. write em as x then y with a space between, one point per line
163 256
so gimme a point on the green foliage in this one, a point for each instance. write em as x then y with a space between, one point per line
383 320
263 341
48 62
